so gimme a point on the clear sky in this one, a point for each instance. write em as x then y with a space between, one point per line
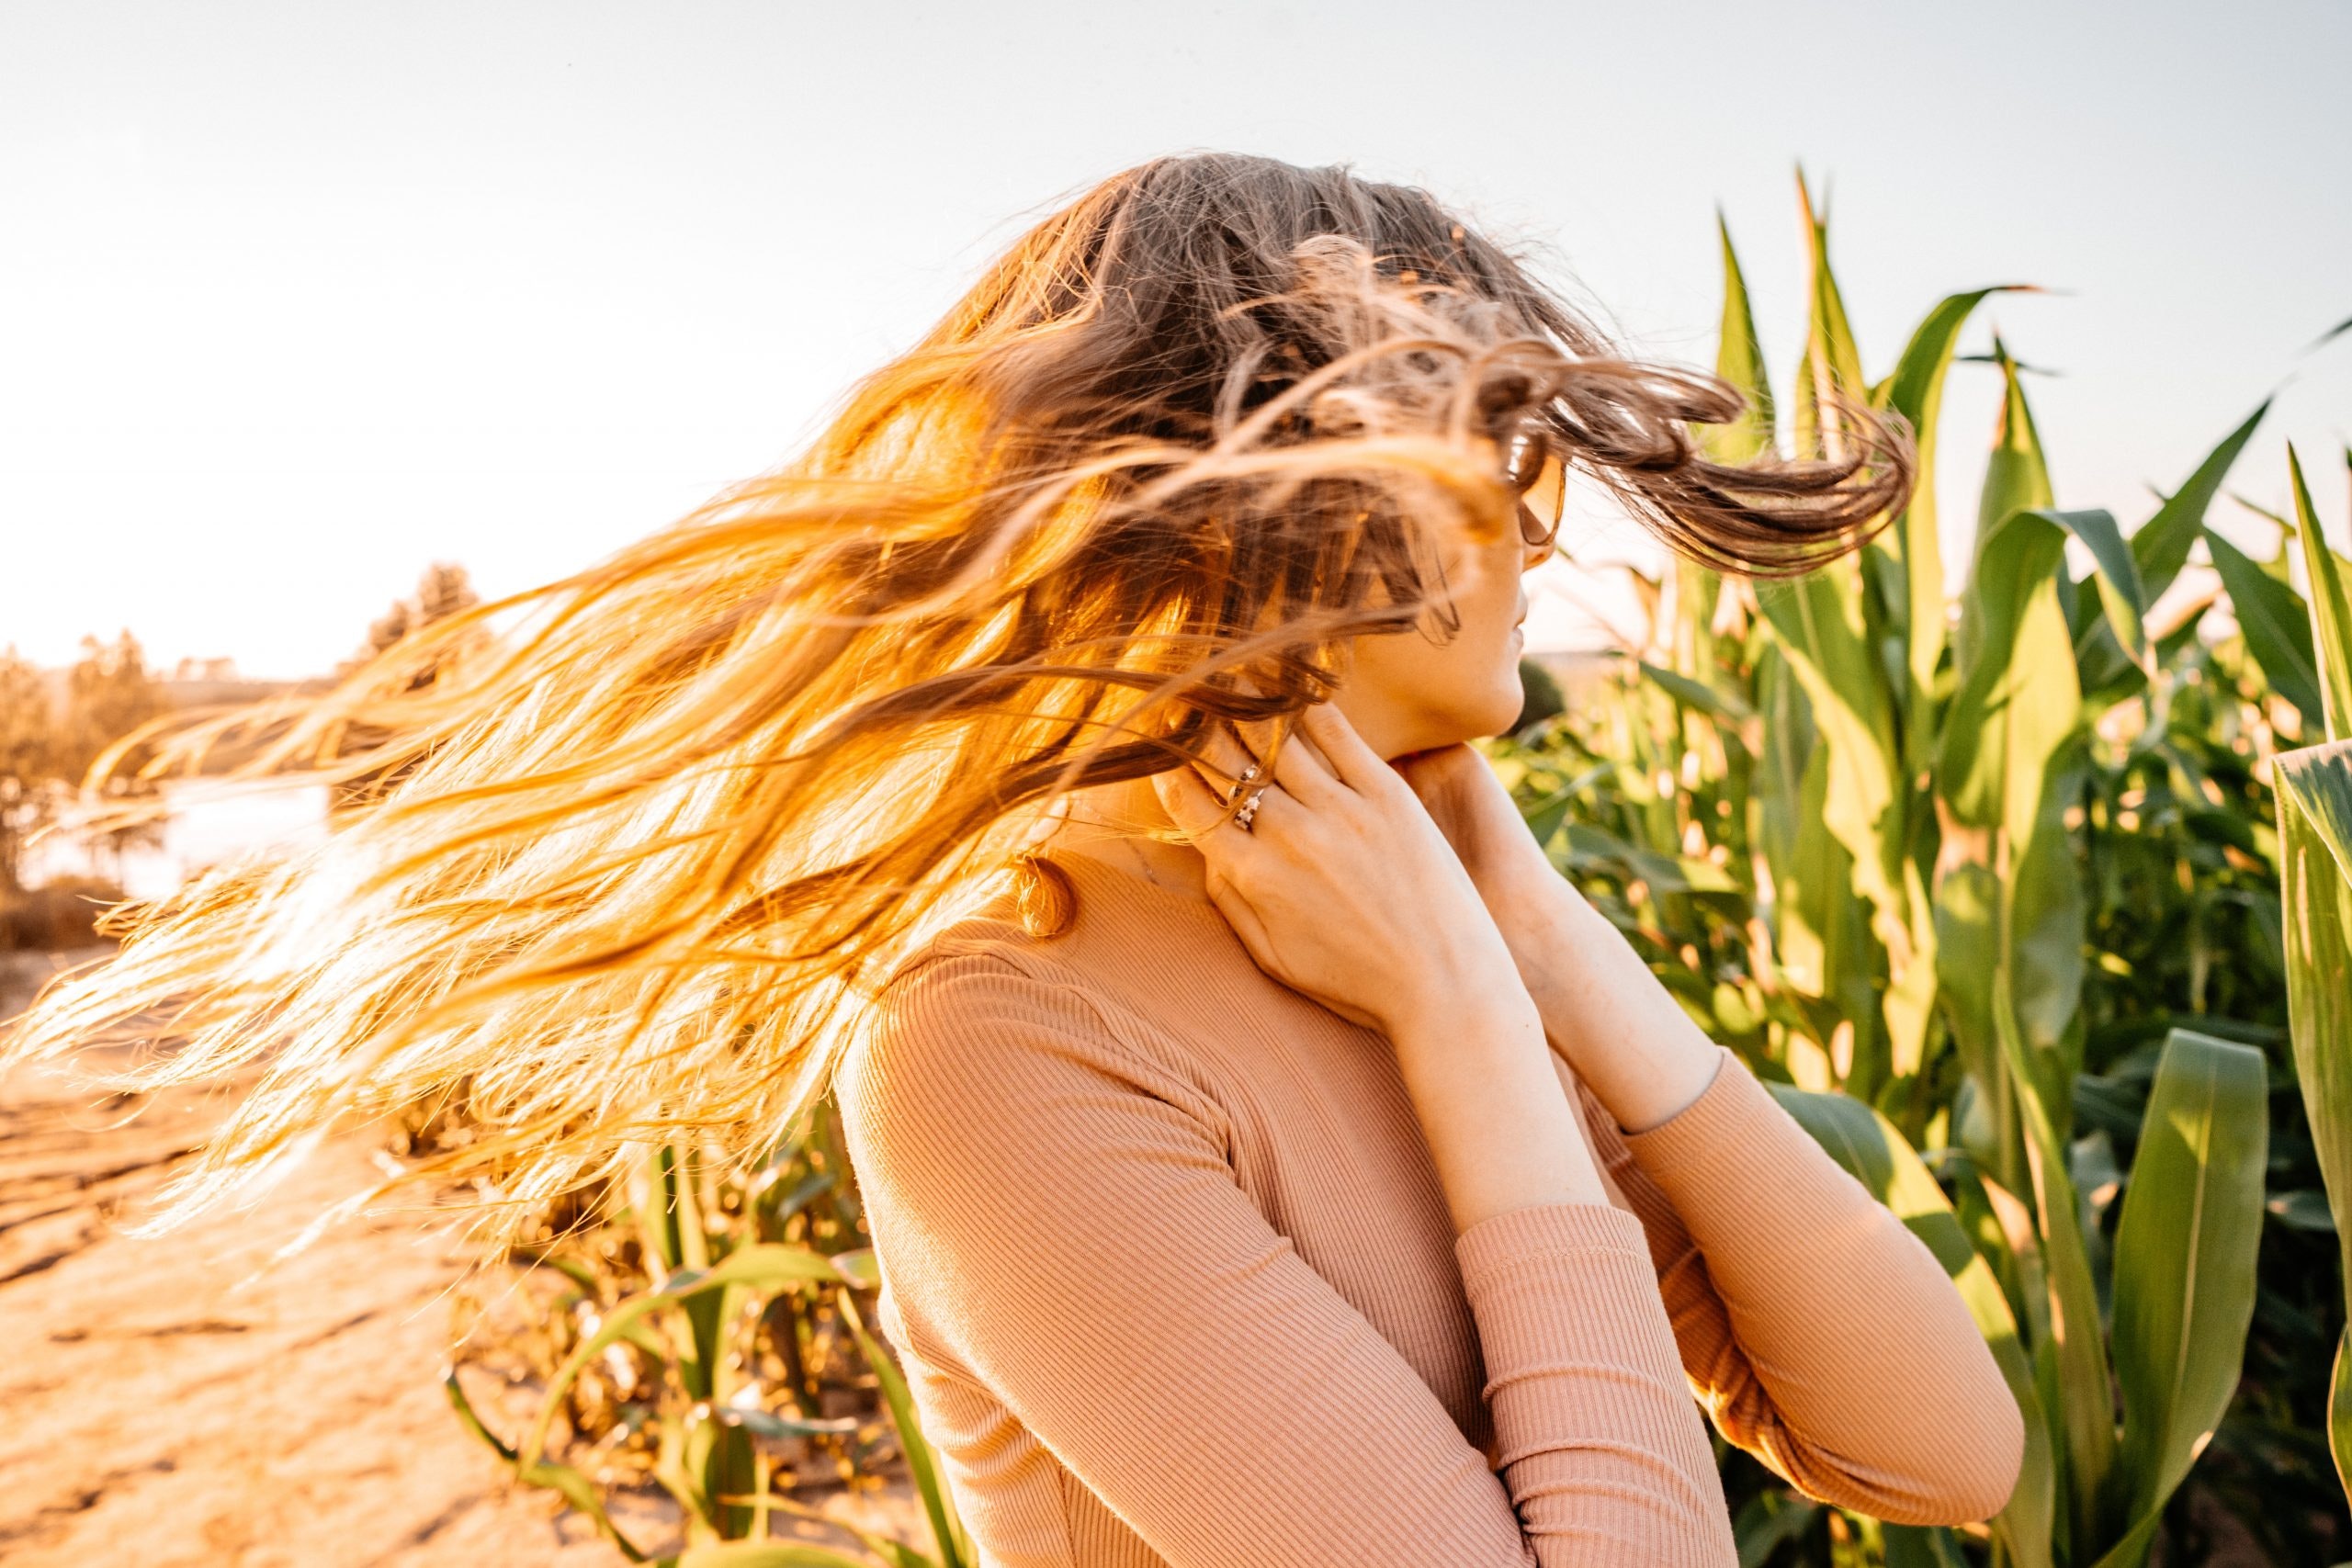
297 297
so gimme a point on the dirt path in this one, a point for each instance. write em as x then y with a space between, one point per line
166 1405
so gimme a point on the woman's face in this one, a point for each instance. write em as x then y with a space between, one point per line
1408 691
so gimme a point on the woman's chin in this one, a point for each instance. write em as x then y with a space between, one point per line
1488 715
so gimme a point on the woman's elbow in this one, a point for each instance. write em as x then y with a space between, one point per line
1991 1472
1972 1454
1953 1460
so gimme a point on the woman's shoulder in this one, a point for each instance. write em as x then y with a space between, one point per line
982 1010
978 983
980 955
1119 946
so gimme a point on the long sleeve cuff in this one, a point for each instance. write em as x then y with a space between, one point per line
1708 1159
1598 1437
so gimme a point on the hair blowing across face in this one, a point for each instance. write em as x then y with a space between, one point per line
645 846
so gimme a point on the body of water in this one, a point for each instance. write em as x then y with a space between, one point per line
211 823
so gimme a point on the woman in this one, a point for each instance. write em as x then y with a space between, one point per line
1282 1165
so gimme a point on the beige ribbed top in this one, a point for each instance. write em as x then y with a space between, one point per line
1175 1283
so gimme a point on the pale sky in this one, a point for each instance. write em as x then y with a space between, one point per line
298 298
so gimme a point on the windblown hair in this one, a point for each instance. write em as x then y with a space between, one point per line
642 844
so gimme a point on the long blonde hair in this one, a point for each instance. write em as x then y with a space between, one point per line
643 842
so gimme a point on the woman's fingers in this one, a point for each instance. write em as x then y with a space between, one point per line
1224 750
1198 807
1357 765
1301 769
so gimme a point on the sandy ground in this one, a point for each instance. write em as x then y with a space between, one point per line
164 1403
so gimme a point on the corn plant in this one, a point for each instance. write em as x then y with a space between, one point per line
2315 853
711 1326
1897 857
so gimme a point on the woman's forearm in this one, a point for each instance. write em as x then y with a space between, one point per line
1500 1133
1602 1010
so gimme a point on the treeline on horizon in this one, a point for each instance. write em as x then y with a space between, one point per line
56 724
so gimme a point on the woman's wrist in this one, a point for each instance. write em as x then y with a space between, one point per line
1610 1020
1543 921
1500 1133
1474 983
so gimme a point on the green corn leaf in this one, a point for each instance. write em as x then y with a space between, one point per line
1868 795
2339 1411
2277 628
1923 1546
2162 543
764 1265
2016 478
2004 765
2124 601
2279 520
2314 791
1767 1521
1832 367
1817 621
1874 1152
2331 612
931 1483
2184 1263
1739 360
1915 390
1967 946
780 1428
561 1479
657 1208
2017 703
860 1268
1787 744
2079 1379
2044 916
1725 705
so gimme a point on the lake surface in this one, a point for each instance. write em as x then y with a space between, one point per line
212 822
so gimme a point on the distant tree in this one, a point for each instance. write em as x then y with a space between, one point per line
29 762
443 591
384 631
109 691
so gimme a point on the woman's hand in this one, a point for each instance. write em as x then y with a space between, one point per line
1343 887
1614 1022
1477 814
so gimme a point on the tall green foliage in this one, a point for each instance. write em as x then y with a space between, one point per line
1958 882
2315 853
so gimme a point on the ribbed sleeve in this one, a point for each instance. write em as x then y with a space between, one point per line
1606 1456
1061 1217
1820 1333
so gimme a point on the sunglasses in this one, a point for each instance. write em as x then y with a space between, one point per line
1532 468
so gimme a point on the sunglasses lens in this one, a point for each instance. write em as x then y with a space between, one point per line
1523 458
1544 499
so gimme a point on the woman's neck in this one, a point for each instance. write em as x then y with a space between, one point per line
1124 824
